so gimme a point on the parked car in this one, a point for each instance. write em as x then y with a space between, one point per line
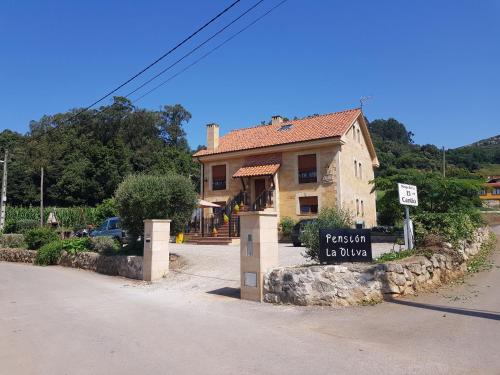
298 229
111 227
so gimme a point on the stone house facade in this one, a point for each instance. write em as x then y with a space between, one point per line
294 167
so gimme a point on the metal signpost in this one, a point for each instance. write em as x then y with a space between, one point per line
408 196
345 245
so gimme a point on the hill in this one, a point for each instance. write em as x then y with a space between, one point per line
396 150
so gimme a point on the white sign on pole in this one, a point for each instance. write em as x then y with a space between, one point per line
408 194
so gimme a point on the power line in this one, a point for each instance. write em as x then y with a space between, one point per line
195 49
159 58
211 51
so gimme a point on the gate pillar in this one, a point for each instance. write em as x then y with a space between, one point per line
258 251
156 256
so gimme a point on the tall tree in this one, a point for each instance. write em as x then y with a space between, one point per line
172 118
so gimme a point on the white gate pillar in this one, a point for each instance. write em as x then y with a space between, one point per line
258 251
156 256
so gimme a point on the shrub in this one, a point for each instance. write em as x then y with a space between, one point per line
328 218
12 240
36 238
49 253
141 197
286 226
106 209
104 245
450 227
76 245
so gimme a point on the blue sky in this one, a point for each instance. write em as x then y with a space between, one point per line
433 65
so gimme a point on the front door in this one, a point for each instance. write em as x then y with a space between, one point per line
260 186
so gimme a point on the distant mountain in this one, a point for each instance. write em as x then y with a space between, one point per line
492 141
396 150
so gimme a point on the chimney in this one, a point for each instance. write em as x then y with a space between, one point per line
276 120
212 136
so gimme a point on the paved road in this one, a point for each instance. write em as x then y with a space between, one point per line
57 320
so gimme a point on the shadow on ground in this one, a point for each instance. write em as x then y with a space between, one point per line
493 315
226 292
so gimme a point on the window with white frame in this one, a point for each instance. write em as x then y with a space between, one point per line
496 191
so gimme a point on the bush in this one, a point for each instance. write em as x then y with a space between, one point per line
328 218
104 245
36 238
286 226
106 209
49 253
21 226
141 197
450 227
12 240
76 245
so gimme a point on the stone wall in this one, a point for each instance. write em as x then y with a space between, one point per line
17 255
117 265
351 284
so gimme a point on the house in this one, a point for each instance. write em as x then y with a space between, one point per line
490 193
295 167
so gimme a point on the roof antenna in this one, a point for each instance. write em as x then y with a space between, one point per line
364 99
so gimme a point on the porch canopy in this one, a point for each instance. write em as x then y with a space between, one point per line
259 165
205 204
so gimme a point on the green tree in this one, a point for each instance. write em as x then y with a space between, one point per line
172 118
141 197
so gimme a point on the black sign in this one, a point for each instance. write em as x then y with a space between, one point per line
345 245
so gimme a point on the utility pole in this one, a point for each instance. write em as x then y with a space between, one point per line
3 198
444 162
41 197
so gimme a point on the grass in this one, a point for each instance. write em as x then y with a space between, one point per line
481 261
395 255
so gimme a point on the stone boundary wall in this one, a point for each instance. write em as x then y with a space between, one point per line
129 266
17 255
117 265
355 283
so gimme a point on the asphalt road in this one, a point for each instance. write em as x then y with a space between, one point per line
58 320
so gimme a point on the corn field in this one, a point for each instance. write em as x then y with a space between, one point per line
68 217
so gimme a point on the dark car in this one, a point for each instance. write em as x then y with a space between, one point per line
298 229
111 227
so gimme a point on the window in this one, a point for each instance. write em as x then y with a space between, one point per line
114 224
355 168
285 127
357 207
360 172
219 177
359 136
496 191
362 209
482 192
307 168
354 132
308 205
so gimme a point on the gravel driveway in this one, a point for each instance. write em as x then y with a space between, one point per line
217 267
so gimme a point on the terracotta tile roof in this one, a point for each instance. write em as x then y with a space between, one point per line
311 128
260 165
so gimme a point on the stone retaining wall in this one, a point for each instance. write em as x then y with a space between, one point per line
351 283
17 255
117 265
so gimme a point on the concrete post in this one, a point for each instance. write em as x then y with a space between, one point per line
258 251
156 254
